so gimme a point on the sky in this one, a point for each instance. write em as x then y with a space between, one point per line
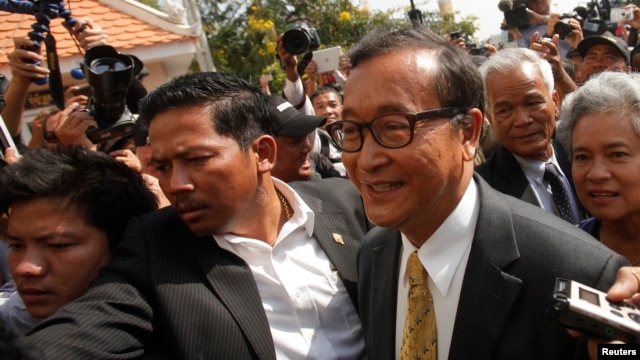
489 16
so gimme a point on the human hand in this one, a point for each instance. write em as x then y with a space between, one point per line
551 24
459 42
37 130
311 70
576 35
535 18
548 49
128 158
635 22
89 34
491 49
10 155
625 288
73 129
288 61
154 185
71 97
25 64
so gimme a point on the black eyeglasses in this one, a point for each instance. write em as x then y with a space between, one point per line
390 130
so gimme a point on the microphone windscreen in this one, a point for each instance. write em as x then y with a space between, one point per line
505 5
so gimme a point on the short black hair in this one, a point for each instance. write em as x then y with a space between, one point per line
106 191
457 80
325 89
237 108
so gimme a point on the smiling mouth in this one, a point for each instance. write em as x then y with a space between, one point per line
603 195
384 187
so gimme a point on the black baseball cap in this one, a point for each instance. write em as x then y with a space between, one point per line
287 121
606 38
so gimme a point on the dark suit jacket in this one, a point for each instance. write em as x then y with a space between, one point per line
504 174
171 290
518 250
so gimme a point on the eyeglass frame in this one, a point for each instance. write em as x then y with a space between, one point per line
413 118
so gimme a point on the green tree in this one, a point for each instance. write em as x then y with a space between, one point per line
242 33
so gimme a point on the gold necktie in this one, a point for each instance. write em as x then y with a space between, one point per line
419 335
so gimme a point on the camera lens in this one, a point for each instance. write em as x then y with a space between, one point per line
562 28
296 41
103 65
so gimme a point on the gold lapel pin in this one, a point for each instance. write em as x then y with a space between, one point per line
338 238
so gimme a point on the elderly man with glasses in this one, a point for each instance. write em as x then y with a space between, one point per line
482 265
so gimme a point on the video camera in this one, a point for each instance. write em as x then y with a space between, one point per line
596 19
515 14
299 37
109 74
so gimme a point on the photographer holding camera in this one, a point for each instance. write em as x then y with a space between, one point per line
538 19
27 65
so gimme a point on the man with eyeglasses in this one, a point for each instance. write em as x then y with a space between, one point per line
492 260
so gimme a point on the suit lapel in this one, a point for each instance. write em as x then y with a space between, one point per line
488 293
383 297
233 283
337 241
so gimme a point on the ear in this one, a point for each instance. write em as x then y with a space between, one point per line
472 132
264 149
556 100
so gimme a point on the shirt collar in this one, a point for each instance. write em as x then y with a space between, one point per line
535 168
443 252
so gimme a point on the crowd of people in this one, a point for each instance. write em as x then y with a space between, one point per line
422 213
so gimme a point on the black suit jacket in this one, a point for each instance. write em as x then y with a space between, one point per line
170 294
504 174
518 250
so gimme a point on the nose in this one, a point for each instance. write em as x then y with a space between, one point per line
598 171
179 180
371 155
306 145
30 263
523 118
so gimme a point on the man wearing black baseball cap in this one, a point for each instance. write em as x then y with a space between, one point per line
605 52
292 129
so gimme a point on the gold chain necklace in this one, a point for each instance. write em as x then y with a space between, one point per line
285 205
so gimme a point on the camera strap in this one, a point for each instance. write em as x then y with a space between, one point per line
55 78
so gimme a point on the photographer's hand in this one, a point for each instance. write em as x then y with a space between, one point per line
535 18
548 49
70 97
10 156
635 22
576 35
90 34
74 127
288 61
24 65
553 19
127 157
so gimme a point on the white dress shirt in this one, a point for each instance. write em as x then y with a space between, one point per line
444 255
308 308
534 171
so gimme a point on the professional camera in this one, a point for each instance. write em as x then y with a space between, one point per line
563 27
109 74
299 38
596 19
515 14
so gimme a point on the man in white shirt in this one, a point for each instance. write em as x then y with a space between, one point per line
522 107
240 266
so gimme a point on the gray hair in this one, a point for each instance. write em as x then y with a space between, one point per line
513 58
609 92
